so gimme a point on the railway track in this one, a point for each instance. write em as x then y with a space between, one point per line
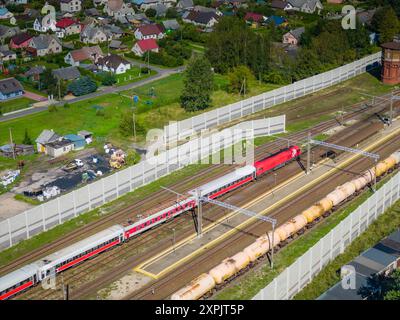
161 196
173 281
128 253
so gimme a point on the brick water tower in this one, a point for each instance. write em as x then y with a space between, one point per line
391 63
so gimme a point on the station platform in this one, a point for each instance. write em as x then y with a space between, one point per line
234 221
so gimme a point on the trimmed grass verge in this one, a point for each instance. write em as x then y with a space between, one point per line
255 280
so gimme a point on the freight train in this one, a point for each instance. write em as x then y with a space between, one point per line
231 266
32 274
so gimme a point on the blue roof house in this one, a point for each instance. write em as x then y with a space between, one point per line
277 20
78 141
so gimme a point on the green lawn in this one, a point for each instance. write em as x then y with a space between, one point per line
15 104
132 75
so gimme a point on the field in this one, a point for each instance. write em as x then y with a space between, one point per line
15 104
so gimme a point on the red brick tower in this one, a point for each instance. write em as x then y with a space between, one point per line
391 63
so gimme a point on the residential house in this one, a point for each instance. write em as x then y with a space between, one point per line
254 19
44 45
203 19
78 141
17 2
5 14
10 88
170 25
44 24
365 16
280 5
113 31
113 63
7 32
149 31
207 10
118 9
11 150
67 74
161 9
147 4
89 54
278 21
92 12
20 41
93 35
185 5
70 5
138 20
6 54
117 45
293 36
67 27
307 6
45 137
34 73
59 147
143 46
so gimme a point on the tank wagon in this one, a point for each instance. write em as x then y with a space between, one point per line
231 266
29 276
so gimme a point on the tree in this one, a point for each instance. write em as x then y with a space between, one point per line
381 287
171 13
82 86
108 79
240 80
385 23
27 139
49 82
128 126
198 84
150 13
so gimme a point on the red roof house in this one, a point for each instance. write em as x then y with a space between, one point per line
254 17
68 26
20 40
143 46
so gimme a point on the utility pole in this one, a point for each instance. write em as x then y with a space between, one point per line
134 124
308 152
12 144
199 215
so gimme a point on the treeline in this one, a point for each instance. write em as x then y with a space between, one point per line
324 46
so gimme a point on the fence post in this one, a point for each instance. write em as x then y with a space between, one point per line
9 232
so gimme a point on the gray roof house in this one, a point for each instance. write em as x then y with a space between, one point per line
7 32
293 36
171 24
68 73
307 6
6 54
47 136
10 88
44 44
92 34
185 5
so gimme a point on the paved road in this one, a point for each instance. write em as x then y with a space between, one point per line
161 73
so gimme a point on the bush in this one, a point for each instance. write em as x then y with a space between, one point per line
150 13
66 105
82 86
100 113
144 70
52 108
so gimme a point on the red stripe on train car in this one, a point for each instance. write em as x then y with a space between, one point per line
231 187
16 290
87 256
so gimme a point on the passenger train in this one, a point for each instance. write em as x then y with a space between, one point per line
30 275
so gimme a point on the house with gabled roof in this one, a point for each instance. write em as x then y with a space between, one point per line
45 137
150 31
118 9
44 24
20 40
44 44
113 63
68 26
93 35
185 5
143 46
70 5
10 88
293 36
76 57
206 20
67 74
8 32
